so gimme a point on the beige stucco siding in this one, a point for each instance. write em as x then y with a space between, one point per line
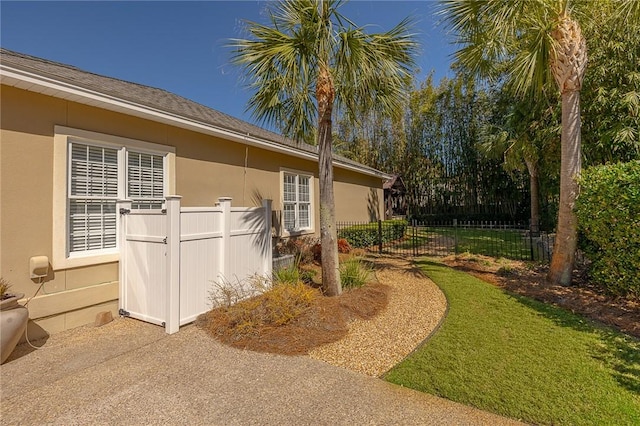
206 168
358 197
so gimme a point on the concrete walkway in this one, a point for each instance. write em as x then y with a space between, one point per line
129 372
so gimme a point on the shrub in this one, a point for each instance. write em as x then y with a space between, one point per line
278 306
354 273
367 235
317 252
225 293
608 211
301 248
343 246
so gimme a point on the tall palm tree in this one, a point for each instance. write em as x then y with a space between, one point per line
531 41
309 61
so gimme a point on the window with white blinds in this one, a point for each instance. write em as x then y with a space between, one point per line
93 191
296 202
95 184
145 180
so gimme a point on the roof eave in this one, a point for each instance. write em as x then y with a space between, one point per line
27 80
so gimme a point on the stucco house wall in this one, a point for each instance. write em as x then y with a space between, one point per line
204 167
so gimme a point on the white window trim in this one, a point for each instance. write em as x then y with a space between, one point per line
62 136
312 202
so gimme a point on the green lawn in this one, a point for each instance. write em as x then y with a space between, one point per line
523 359
507 243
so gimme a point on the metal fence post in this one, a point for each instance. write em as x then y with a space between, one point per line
379 236
531 239
414 238
455 236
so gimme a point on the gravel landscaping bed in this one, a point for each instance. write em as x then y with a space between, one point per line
416 308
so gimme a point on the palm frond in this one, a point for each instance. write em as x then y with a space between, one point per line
282 61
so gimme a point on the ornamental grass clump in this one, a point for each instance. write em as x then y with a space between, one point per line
354 273
278 306
290 275
4 288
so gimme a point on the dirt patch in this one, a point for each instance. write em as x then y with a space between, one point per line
527 279
326 320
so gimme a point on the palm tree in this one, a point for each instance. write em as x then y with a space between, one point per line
310 61
531 41
519 133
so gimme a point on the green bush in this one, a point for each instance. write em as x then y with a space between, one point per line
367 235
608 211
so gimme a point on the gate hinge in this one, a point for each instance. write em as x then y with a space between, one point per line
125 211
164 240
163 211
123 313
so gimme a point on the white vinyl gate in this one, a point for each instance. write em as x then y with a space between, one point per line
170 260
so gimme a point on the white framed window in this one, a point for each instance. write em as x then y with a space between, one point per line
91 172
297 198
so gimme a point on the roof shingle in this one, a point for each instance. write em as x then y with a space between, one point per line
155 98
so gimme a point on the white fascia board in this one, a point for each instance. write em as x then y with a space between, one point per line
38 83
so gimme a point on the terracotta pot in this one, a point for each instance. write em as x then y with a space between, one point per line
13 322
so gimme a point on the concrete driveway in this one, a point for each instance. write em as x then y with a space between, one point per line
129 372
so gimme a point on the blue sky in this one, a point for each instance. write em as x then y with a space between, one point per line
180 46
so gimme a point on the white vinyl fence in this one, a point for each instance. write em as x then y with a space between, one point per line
170 259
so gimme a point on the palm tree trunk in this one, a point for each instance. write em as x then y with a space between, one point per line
568 62
328 234
565 245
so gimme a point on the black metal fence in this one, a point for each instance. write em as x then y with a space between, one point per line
512 240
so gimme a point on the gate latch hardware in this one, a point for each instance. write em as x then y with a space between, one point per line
164 240
125 211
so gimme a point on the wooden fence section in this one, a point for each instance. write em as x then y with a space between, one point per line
170 260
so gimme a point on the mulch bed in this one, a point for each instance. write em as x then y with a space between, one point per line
324 322
582 297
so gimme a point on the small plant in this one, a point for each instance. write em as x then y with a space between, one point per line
307 276
289 275
505 270
317 252
226 293
278 306
300 248
358 252
4 288
344 246
354 273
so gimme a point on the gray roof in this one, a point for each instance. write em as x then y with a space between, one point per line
155 98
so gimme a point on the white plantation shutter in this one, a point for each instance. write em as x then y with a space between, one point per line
93 191
145 180
304 201
94 186
297 201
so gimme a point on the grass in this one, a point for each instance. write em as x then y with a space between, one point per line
507 243
524 359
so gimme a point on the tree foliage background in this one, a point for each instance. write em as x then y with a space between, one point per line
466 149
